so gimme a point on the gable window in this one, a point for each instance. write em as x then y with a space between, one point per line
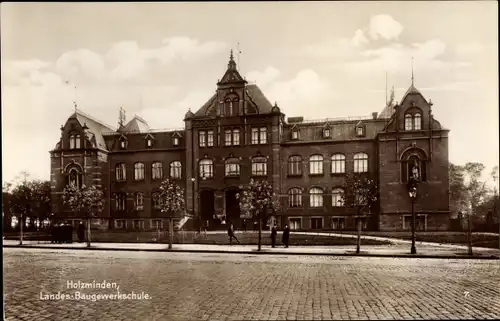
316 165
295 134
295 197
75 177
294 165
232 167
338 164
176 141
210 138
417 122
121 172
176 169
316 197
138 171
361 163
77 141
149 143
206 168
121 200
326 133
337 197
157 170
408 122
139 201
74 141
202 138
259 166
231 105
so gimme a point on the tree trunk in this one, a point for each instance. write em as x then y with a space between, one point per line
260 233
88 231
170 232
358 242
469 234
21 230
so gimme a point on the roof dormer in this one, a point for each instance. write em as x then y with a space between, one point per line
360 129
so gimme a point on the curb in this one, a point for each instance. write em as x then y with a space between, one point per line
255 252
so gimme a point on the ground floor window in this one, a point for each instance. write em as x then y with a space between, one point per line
364 223
138 224
295 223
420 220
338 223
157 224
316 222
119 224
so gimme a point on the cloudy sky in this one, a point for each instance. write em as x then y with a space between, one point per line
317 60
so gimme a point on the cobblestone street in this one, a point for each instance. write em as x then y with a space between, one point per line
185 286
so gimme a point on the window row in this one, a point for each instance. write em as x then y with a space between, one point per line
316 163
232 137
232 167
337 223
413 122
150 141
317 196
327 132
156 171
155 224
121 201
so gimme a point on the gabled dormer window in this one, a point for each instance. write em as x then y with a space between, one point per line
123 142
326 133
176 141
149 141
360 129
295 134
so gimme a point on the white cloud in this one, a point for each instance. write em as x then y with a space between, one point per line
430 49
383 25
264 77
359 38
469 48
80 64
28 73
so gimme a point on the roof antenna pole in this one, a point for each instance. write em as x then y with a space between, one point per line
238 55
412 77
386 101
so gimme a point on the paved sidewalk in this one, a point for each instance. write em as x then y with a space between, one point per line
396 250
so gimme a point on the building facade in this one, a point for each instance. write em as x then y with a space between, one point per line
237 135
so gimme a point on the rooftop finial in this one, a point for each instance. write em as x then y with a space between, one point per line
231 64
412 77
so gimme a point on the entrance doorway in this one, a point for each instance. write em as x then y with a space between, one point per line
233 208
207 209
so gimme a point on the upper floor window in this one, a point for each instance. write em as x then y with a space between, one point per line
75 177
360 131
139 201
232 137
74 141
259 135
210 138
176 169
417 121
316 164
316 197
176 141
326 133
232 167
408 122
157 170
338 164
295 133
228 137
236 136
295 197
259 166
294 165
149 143
231 105
138 171
202 138
121 201
337 197
157 201
361 163
121 172
206 168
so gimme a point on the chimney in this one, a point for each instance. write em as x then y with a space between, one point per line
374 115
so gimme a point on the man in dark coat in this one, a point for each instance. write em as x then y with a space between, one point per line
81 232
274 232
286 235
230 233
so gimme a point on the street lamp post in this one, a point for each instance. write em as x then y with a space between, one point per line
412 192
192 197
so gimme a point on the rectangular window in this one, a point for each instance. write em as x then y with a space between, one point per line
71 142
138 224
359 131
255 136
232 169
157 224
120 224
338 223
259 169
316 223
157 201
210 138
236 137
139 201
263 135
202 136
77 141
295 223
228 136
420 222
121 200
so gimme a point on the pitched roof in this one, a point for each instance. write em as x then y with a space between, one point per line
411 90
94 126
386 112
135 125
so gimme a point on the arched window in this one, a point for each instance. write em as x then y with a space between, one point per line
75 177
295 197
417 121
232 167
294 165
77 141
316 164
316 197
72 142
337 197
121 172
206 168
138 171
157 170
408 122
361 163
259 166
338 163
176 169
231 105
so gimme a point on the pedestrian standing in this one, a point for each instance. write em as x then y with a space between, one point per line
274 232
286 235
230 233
